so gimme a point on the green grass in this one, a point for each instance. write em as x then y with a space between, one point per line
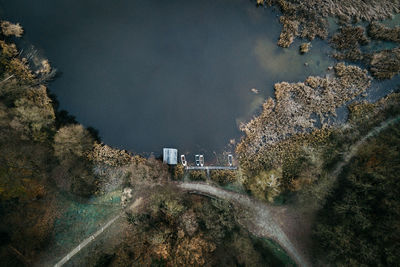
81 219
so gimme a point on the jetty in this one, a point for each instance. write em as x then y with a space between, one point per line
170 157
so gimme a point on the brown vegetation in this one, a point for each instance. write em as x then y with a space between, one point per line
385 64
223 177
71 144
305 47
378 31
150 171
26 199
104 154
284 141
179 172
292 111
178 229
198 175
363 117
11 29
72 141
348 42
308 19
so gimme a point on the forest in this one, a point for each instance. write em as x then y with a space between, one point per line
358 225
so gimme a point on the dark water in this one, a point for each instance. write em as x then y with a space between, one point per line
149 74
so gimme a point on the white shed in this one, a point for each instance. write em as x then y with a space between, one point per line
170 156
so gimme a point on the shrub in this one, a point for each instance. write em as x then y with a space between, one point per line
179 172
198 175
223 177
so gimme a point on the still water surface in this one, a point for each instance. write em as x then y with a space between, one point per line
150 74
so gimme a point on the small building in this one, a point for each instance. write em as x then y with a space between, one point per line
170 156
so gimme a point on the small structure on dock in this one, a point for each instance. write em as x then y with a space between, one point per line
170 156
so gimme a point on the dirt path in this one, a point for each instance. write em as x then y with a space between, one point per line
85 242
259 218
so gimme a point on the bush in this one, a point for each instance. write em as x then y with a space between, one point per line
223 177
198 175
179 172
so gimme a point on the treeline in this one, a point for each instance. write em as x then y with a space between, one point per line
44 151
28 208
359 224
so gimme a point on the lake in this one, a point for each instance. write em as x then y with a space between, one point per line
154 74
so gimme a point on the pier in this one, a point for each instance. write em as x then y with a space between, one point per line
233 168
170 157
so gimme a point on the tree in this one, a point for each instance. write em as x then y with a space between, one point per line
35 113
72 141
71 145
266 185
